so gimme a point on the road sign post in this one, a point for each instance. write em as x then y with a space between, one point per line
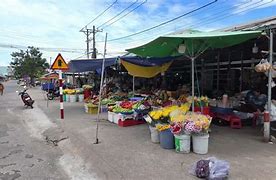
60 64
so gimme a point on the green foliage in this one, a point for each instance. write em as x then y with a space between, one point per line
29 62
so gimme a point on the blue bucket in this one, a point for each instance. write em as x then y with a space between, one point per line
167 139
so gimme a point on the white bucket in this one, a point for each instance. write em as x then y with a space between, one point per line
67 98
110 116
73 98
200 144
182 143
116 118
85 108
80 97
154 135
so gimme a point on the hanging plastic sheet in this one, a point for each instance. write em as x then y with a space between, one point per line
146 72
146 67
89 64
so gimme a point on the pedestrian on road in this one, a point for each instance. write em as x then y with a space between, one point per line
1 89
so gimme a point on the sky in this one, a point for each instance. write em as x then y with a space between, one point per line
54 26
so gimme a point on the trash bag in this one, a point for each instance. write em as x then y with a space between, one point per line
219 169
211 168
202 169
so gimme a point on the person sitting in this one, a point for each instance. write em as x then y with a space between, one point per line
254 101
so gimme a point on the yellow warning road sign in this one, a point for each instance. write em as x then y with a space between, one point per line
59 63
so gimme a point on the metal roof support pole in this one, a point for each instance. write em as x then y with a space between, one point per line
133 85
101 90
193 83
241 81
266 121
218 72
202 75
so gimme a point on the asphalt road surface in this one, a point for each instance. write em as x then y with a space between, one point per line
24 152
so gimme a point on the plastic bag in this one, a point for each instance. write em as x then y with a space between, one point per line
273 73
218 169
263 66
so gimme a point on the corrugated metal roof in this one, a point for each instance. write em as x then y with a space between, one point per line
255 25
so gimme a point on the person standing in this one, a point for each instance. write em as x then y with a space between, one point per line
1 89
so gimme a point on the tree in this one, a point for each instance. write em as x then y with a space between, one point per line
28 63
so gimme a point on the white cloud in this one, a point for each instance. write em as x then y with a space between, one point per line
51 23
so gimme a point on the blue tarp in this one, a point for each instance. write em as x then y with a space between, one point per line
86 65
148 62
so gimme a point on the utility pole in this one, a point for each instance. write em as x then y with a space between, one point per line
87 32
94 54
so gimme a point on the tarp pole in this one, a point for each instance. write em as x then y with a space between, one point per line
133 85
101 88
267 124
193 83
61 94
218 72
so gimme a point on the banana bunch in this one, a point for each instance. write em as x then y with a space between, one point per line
69 91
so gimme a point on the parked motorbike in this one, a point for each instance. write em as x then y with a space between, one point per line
51 94
26 98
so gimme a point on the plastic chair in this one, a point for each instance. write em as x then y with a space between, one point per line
235 123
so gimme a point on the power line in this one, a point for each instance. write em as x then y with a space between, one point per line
48 49
220 13
100 14
229 15
151 35
118 14
166 22
127 13
217 14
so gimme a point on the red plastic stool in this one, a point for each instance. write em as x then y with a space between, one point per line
235 123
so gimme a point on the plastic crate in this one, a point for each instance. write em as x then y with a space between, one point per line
129 122
104 108
136 98
123 117
92 110
46 86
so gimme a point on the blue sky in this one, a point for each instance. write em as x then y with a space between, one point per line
56 24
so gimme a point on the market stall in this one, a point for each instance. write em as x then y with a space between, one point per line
191 44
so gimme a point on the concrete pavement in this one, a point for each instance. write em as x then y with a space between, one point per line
127 153
24 154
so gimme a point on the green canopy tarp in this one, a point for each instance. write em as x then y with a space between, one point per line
192 43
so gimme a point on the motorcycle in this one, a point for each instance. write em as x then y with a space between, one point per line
51 94
26 98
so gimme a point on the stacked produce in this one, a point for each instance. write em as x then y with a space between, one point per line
129 107
69 91
107 101
86 86
94 100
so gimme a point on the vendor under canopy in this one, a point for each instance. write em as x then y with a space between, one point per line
254 101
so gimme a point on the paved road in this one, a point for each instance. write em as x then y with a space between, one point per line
24 153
